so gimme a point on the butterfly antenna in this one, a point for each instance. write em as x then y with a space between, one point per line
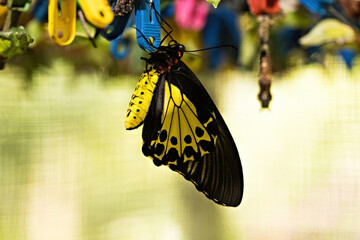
195 55
204 49
209 48
161 19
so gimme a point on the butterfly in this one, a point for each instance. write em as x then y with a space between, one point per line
183 129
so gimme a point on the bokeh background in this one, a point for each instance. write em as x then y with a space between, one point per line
69 170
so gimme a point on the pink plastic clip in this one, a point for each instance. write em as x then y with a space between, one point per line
191 14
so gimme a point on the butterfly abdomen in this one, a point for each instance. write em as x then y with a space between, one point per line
141 99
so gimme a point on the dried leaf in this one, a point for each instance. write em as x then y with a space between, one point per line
329 31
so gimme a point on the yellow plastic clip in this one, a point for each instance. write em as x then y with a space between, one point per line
97 12
62 26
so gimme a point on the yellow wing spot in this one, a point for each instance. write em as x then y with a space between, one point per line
141 99
209 121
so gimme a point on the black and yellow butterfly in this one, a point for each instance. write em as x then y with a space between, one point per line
183 129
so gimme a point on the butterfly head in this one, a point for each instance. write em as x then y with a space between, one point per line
181 50
177 48
166 56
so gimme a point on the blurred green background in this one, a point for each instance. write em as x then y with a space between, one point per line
69 170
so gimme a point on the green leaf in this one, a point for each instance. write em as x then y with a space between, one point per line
329 31
15 41
214 2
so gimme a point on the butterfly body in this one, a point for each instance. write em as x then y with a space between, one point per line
166 56
184 130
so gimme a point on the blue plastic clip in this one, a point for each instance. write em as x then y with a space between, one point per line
318 6
221 29
40 10
148 24
115 29
348 56
119 48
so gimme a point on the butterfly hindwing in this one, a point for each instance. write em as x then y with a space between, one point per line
184 130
